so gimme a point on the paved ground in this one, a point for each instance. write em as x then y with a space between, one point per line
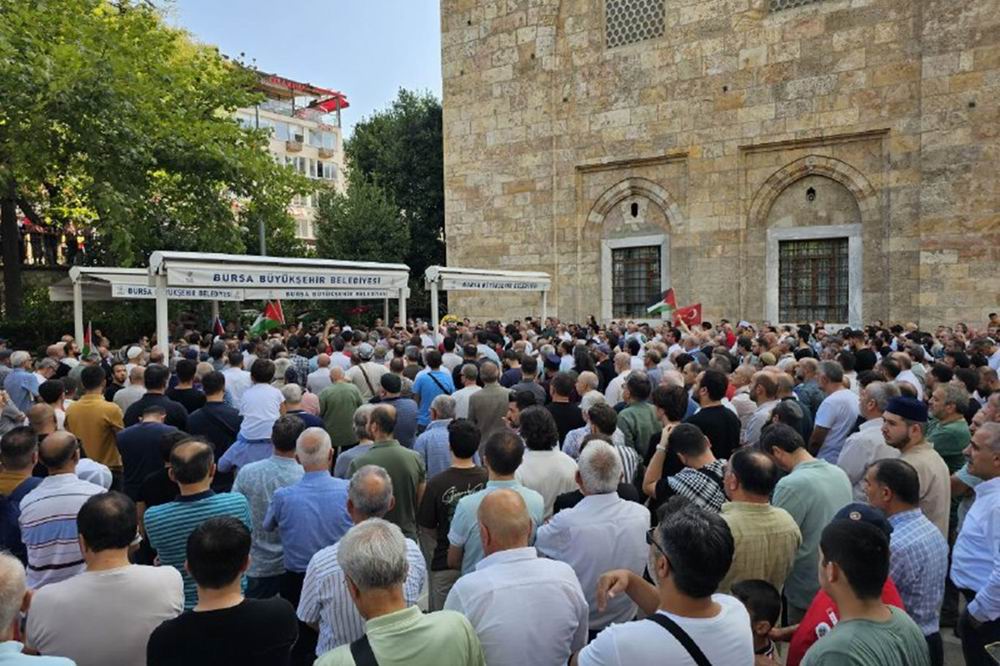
952 648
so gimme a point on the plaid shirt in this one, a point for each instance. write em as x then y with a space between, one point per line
301 365
698 485
918 565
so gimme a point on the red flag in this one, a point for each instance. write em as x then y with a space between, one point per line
669 298
274 312
690 315
218 328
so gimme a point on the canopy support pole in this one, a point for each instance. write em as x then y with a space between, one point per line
434 313
402 307
78 312
385 312
162 333
545 306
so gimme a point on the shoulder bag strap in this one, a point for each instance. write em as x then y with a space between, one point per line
715 477
361 651
430 373
367 381
675 630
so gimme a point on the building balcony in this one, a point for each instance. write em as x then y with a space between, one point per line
327 153
293 146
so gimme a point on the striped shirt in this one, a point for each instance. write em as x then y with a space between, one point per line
169 525
325 600
48 528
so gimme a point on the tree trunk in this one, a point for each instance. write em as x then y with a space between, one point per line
11 240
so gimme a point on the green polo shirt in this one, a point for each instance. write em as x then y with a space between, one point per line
410 638
639 424
949 440
337 404
406 469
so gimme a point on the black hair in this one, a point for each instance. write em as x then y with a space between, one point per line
789 412
384 418
217 551
781 436
539 429
529 366
604 417
698 544
755 470
52 390
433 359
969 378
91 377
186 369
463 438
687 439
861 550
673 400
716 383
448 343
942 373
523 399
634 346
235 359
16 447
262 371
761 599
900 477
107 521
170 439
638 385
196 465
285 432
213 383
156 377
960 357
562 384
504 452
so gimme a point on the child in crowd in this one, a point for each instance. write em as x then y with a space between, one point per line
763 603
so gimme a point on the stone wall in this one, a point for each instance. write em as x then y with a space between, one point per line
550 137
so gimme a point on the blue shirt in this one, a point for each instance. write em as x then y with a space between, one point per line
464 530
975 559
310 420
243 452
22 386
918 564
405 431
434 448
258 482
427 389
310 515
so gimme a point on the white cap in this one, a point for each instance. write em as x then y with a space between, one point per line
134 352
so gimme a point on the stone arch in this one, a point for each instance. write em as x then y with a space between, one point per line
635 187
814 165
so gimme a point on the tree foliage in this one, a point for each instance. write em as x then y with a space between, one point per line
401 150
364 224
113 120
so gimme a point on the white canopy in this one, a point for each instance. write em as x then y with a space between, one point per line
255 277
476 279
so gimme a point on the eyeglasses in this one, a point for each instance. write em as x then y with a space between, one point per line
652 542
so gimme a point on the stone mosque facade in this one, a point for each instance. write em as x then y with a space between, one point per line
779 160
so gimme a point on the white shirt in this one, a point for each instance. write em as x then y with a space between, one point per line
910 378
525 609
461 398
98 618
975 559
340 359
93 471
994 360
260 408
613 394
838 413
369 387
601 533
451 360
237 382
751 434
327 602
549 473
318 379
725 639
862 449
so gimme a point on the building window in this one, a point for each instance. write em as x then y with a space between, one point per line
635 279
778 5
631 21
813 280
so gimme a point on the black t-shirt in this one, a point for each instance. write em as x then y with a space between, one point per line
438 505
191 398
219 423
176 414
606 372
568 417
257 632
626 491
139 446
864 359
157 489
721 426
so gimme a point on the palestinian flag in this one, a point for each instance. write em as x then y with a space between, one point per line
218 328
270 319
666 304
88 336
690 315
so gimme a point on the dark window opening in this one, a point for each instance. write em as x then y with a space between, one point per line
636 280
813 280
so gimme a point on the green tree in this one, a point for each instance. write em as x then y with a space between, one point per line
364 224
114 121
401 149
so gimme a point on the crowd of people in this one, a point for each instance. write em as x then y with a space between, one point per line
523 493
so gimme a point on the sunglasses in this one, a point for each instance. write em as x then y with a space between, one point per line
652 542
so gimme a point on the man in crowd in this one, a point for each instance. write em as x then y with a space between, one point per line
429 384
918 552
432 444
405 468
260 407
488 407
514 592
95 422
638 421
974 567
168 526
689 553
224 627
14 597
135 389
184 392
808 389
469 375
545 468
867 445
903 426
764 393
812 492
364 443
237 379
529 376
444 490
258 482
326 604
373 558
566 414
117 380
765 537
18 457
407 412
21 384
294 400
319 379
947 429
64 618
155 379
502 453
337 405
836 416
601 533
366 374
139 447
217 422
48 513
700 481
719 423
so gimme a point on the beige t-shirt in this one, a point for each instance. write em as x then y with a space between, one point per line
104 617
935 483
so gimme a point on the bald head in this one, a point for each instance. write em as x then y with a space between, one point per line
59 452
588 381
323 360
504 522
42 419
622 362
337 374
313 449
137 374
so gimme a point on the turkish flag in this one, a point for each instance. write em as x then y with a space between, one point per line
690 315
